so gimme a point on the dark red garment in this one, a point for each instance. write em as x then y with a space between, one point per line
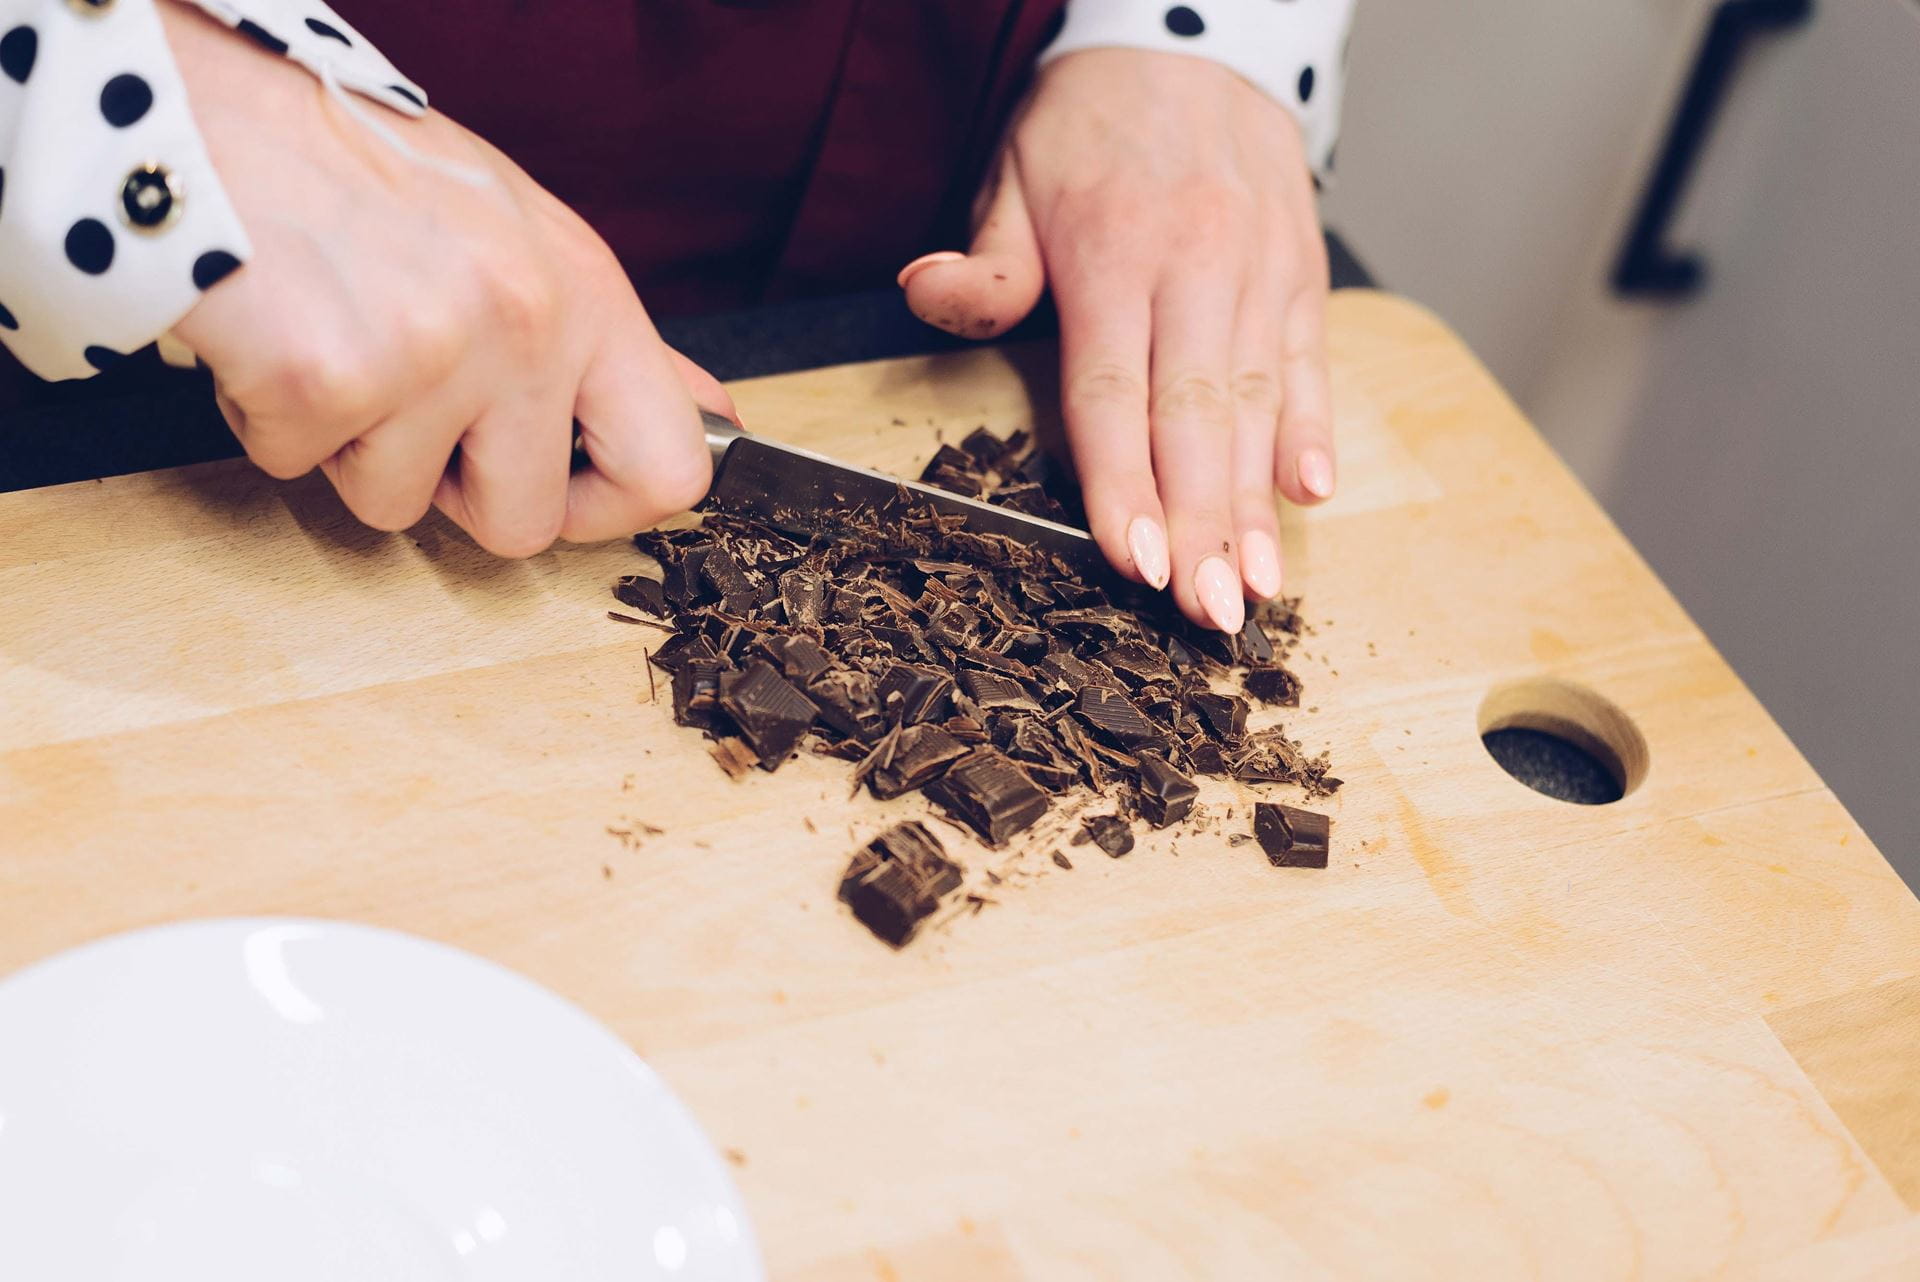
729 150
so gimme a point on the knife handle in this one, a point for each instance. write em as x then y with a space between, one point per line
721 433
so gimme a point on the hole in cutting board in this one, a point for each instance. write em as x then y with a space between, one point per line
1563 740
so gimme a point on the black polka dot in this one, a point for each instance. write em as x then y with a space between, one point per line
125 99
328 30
213 267
17 49
409 95
260 35
101 357
1183 21
1054 24
3 186
90 246
6 318
1306 84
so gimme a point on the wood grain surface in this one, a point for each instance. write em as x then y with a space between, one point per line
1501 1037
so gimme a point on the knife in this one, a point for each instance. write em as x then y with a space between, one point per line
794 490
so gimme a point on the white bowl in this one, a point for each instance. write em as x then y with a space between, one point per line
234 1101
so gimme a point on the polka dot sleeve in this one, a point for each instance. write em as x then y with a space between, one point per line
112 218
1294 50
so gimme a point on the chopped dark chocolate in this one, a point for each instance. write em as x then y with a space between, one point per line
1137 662
1117 719
1166 795
895 882
1292 838
696 690
990 794
992 691
911 693
968 665
1273 686
1109 832
771 713
1224 715
918 755
644 594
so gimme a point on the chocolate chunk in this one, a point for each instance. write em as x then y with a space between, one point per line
894 882
1166 795
1292 838
646 595
917 756
696 690
1254 646
1109 832
1115 718
1224 715
801 658
1273 686
992 691
990 794
804 595
1137 663
910 693
771 713
681 649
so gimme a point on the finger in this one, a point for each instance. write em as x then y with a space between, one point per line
1104 334
388 475
707 391
508 486
990 289
642 434
1304 453
1256 411
1192 421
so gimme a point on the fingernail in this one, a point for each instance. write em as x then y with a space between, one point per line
1260 563
1147 545
1316 473
908 272
1218 588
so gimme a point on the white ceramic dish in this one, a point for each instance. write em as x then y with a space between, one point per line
233 1101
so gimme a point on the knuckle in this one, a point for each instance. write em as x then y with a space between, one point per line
1106 383
322 381
521 295
278 459
1257 389
516 541
1188 398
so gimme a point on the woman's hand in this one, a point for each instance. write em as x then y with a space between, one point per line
1168 202
421 340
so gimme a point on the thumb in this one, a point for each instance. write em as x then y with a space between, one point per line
984 293
707 391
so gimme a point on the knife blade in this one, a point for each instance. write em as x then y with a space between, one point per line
795 489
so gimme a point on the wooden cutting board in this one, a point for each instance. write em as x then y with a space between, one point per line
1501 1037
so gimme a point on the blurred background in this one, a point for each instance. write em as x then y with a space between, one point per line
1753 431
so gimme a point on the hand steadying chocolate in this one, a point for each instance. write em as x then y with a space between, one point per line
1169 205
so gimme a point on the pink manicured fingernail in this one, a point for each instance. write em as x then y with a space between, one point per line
1147 545
1218 588
1260 563
927 260
1316 473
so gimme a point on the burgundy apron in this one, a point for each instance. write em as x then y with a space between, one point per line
728 150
